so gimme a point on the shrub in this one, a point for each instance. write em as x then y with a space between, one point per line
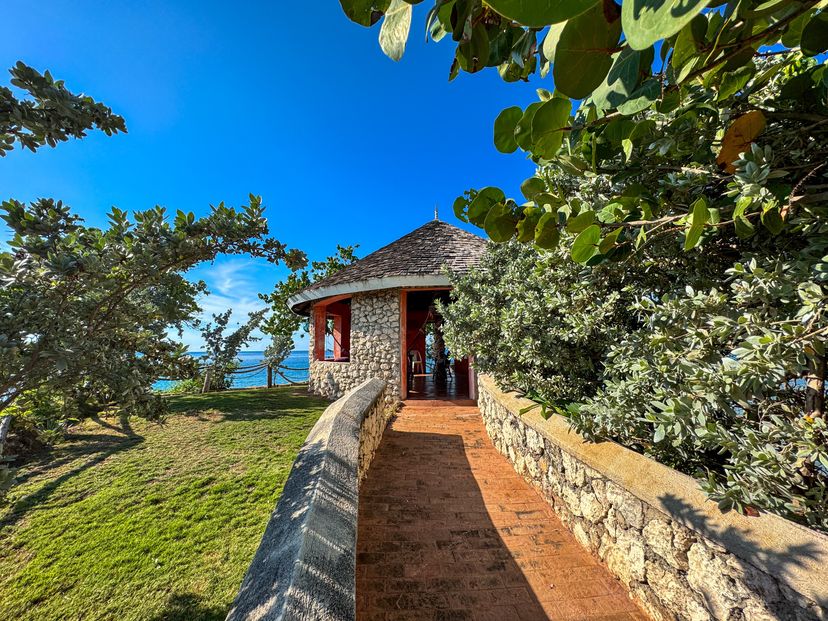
538 322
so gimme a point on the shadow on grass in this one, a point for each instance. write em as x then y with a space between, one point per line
251 404
189 607
96 448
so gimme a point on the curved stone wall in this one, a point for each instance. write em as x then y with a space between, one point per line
305 565
678 555
375 349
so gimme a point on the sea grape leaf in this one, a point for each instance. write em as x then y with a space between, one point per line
548 127
504 129
583 56
648 21
539 13
585 245
365 12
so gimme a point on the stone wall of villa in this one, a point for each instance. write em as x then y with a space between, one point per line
305 567
677 554
375 349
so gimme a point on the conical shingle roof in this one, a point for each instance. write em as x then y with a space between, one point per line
414 260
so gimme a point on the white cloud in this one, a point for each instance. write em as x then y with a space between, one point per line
234 282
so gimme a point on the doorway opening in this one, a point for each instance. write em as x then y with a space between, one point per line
431 370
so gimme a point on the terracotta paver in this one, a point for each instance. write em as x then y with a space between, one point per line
449 531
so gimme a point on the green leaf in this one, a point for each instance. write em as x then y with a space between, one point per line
793 34
547 234
500 223
523 130
539 13
648 21
548 127
585 245
482 203
393 34
642 98
580 222
734 81
608 243
698 219
772 220
528 223
583 56
473 55
365 12
532 187
659 434
461 204
688 42
814 39
504 129
622 79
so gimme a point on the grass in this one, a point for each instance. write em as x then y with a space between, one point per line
145 521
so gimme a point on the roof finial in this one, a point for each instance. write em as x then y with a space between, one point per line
436 212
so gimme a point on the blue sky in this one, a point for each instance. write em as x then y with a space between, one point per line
300 106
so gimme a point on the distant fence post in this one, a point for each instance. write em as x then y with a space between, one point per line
269 376
208 372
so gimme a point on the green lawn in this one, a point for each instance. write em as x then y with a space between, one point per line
145 521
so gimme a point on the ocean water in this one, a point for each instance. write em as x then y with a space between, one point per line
297 359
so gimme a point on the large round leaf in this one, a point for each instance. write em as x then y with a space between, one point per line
815 35
648 21
527 224
481 205
585 245
547 233
395 27
583 56
623 77
642 98
500 223
548 126
504 129
365 12
539 13
523 130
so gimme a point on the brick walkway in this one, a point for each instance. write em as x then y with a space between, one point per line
449 531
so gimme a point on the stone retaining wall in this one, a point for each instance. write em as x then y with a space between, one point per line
306 562
678 555
375 349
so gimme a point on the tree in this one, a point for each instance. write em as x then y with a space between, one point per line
85 312
223 350
283 323
52 114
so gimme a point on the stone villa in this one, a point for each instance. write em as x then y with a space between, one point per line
377 312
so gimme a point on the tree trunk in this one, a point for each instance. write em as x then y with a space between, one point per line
269 376
5 425
815 386
440 375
